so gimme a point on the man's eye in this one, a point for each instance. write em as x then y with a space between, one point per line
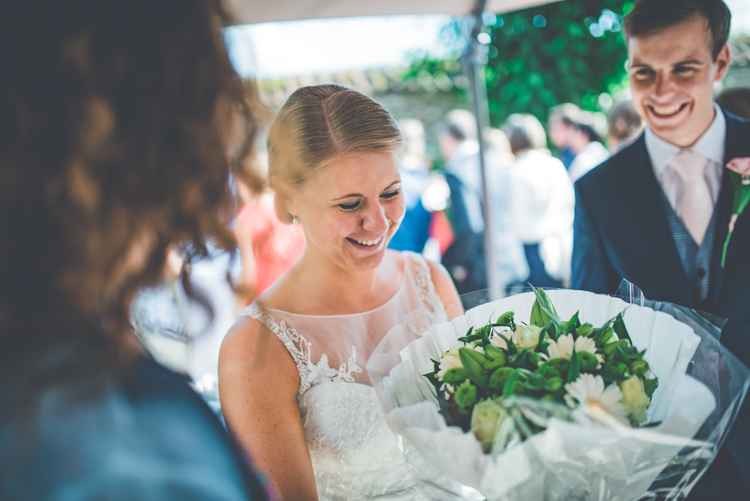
390 195
350 206
643 73
684 69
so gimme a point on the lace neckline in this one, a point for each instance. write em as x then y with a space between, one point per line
301 349
390 300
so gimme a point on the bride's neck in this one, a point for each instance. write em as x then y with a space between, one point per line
336 291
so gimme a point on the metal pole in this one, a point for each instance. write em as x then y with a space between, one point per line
475 71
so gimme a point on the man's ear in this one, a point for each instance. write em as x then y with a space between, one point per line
722 62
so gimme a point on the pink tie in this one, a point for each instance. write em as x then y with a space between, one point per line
696 205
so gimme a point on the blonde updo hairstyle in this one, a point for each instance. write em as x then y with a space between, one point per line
318 125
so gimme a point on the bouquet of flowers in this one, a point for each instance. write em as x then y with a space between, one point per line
594 372
511 402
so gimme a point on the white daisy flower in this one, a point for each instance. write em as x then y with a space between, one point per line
563 347
449 360
597 403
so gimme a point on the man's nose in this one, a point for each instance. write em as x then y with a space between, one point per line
663 85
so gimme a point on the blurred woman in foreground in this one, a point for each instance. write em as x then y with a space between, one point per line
115 122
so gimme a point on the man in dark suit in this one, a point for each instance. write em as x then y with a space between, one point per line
464 259
657 213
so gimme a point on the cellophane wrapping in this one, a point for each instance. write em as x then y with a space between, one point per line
701 388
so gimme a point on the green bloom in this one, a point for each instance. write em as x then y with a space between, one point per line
557 367
466 395
454 376
588 361
499 377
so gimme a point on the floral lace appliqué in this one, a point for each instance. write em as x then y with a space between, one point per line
434 311
300 350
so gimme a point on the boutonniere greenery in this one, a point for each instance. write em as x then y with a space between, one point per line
739 173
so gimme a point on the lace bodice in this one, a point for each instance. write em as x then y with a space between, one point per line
353 452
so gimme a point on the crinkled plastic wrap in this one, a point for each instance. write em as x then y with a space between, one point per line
701 388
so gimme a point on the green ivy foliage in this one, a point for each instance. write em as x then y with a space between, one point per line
568 51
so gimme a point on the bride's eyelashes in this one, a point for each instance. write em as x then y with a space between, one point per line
352 206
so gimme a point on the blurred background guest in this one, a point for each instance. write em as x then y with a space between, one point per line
465 258
586 144
736 101
561 126
414 231
116 119
268 247
510 258
625 124
541 203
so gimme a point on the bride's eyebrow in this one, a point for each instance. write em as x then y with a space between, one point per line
361 195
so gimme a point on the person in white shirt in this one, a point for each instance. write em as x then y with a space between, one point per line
541 203
587 145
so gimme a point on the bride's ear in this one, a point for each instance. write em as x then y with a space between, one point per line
284 202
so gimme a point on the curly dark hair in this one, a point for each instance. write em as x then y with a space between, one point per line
114 118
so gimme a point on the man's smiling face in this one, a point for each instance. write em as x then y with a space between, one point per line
672 75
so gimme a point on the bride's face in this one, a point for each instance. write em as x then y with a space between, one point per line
352 208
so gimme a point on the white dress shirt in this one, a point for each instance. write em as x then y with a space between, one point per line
710 145
542 204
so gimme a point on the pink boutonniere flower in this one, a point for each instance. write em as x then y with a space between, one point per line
739 172
742 167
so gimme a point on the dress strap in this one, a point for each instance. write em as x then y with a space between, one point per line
428 297
295 343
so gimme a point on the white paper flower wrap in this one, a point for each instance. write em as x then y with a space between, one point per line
568 460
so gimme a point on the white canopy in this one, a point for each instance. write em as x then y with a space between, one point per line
264 11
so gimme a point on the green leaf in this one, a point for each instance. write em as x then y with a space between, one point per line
494 352
649 385
620 330
609 349
572 325
575 367
541 345
512 350
473 363
510 384
627 353
468 336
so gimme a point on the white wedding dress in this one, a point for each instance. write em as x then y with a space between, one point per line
354 453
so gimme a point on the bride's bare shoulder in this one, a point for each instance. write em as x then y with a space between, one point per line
250 346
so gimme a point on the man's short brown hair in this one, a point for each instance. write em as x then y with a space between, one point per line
651 16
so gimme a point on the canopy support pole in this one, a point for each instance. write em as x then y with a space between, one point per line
474 60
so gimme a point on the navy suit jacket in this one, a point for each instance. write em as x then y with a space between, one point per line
622 231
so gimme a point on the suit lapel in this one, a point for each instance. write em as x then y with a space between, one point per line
735 146
649 201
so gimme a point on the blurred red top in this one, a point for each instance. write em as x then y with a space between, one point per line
276 246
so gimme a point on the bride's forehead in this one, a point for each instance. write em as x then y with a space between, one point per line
361 170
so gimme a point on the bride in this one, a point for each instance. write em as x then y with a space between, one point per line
292 384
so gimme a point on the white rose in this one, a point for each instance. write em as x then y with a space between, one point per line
527 336
486 418
634 398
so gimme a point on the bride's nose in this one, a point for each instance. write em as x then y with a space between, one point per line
375 219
